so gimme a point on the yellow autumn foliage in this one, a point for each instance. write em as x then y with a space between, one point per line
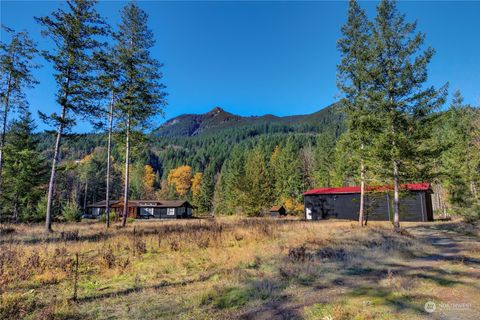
292 205
181 179
196 183
148 179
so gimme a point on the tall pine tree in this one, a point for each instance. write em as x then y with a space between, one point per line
255 193
140 93
107 62
25 171
205 196
16 64
75 35
398 97
354 81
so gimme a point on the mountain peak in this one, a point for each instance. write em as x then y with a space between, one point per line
216 110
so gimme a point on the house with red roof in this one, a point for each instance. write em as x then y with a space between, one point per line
344 203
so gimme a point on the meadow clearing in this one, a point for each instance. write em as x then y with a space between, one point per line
247 268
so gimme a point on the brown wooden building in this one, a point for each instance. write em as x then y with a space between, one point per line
145 209
277 211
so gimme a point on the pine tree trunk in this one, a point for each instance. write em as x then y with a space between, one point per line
361 215
51 184
4 130
15 210
127 164
396 197
109 152
85 196
396 194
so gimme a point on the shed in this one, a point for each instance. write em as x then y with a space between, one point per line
146 209
277 211
344 203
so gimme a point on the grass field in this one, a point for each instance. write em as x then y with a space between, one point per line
240 268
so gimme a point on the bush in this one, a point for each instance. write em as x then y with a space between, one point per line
71 211
103 217
38 214
471 215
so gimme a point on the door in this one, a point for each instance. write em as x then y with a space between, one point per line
308 213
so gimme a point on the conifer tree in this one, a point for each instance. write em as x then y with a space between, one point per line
286 169
398 97
25 170
460 162
206 193
75 35
324 160
16 65
255 193
354 81
231 180
107 61
140 93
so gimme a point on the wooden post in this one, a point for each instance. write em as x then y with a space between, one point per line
75 279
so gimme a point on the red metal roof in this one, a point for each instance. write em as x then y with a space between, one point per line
356 189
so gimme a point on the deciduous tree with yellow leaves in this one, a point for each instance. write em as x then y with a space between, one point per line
181 179
148 182
196 185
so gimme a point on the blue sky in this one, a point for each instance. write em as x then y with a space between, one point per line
254 58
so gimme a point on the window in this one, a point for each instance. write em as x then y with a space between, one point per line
146 211
171 211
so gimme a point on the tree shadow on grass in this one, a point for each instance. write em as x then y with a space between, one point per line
158 286
361 281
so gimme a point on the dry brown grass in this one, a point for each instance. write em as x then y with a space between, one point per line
222 268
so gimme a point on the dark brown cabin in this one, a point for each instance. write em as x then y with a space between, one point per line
145 209
277 211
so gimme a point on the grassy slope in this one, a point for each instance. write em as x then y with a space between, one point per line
240 268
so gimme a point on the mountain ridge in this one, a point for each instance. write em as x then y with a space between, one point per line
217 119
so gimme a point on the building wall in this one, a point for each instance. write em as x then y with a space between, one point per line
153 212
414 206
165 213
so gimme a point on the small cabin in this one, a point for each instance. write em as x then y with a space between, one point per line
344 203
277 211
145 209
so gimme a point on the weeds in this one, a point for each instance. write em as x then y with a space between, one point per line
299 254
108 258
220 268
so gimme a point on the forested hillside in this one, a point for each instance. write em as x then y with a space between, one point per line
277 157
171 146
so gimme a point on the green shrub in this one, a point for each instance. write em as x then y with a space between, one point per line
228 298
39 213
71 211
471 215
103 218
